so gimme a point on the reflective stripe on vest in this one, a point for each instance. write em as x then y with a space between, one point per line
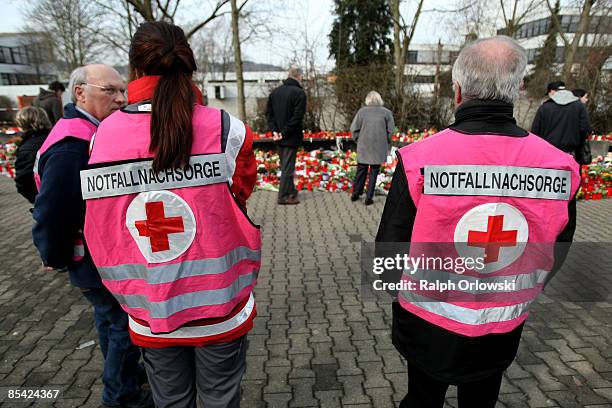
79 250
466 315
186 332
171 272
165 309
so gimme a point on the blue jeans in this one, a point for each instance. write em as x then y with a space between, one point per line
121 368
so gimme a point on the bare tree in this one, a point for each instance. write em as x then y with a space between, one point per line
72 27
238 61
516 14
571 47
166 10
402 37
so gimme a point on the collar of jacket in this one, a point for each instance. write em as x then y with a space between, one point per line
71 112
30 134
292 82
143 88
480 116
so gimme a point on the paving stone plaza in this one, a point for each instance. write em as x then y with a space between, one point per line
315 342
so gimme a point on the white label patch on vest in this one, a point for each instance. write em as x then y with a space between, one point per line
498 181
139 177
496 231
162 224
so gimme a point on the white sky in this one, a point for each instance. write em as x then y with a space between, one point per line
292 24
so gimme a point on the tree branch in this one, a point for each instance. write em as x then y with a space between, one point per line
557 23
210 18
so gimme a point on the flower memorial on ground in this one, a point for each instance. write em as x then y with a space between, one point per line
334 170
319 170
410 136
8 152
597 179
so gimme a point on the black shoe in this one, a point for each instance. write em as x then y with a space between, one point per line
369 201
354 197
289 201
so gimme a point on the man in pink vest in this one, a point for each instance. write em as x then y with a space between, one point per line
483 189
59 214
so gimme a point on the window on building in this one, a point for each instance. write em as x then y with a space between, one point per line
4 79
411 58
423 79
426 57
7 56
19 55
565 23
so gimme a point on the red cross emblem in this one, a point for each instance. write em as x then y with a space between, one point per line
157 227
493 239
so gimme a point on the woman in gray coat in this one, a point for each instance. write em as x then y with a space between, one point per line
371 129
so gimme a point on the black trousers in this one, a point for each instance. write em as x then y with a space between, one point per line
427 392
360 178
286 186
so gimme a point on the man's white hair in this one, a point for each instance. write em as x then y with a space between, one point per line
373 98
294 72
491 68
77 77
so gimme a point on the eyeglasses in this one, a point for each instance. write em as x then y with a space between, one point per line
109 90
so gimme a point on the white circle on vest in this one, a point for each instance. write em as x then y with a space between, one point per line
162 224
497 232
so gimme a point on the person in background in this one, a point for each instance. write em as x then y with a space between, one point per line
582 94
51 101
562 120
285 114
178 250
59 214
36 126
371 128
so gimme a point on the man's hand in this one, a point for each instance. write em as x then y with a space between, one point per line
276 136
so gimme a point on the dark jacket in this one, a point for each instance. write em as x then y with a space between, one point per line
285 112
24 163
563 121
59 209
444 355
51 104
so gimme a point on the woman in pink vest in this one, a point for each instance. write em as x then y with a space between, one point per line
167 225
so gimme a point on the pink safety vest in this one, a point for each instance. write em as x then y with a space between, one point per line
498 198
172 247
76 127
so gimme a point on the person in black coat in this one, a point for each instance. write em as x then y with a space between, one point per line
36 126
285 115
562 120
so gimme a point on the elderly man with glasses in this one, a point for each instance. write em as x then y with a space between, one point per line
59 212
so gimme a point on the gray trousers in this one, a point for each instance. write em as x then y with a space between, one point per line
213 373
286 186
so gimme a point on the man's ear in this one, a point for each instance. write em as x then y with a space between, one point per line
78 92
458 98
